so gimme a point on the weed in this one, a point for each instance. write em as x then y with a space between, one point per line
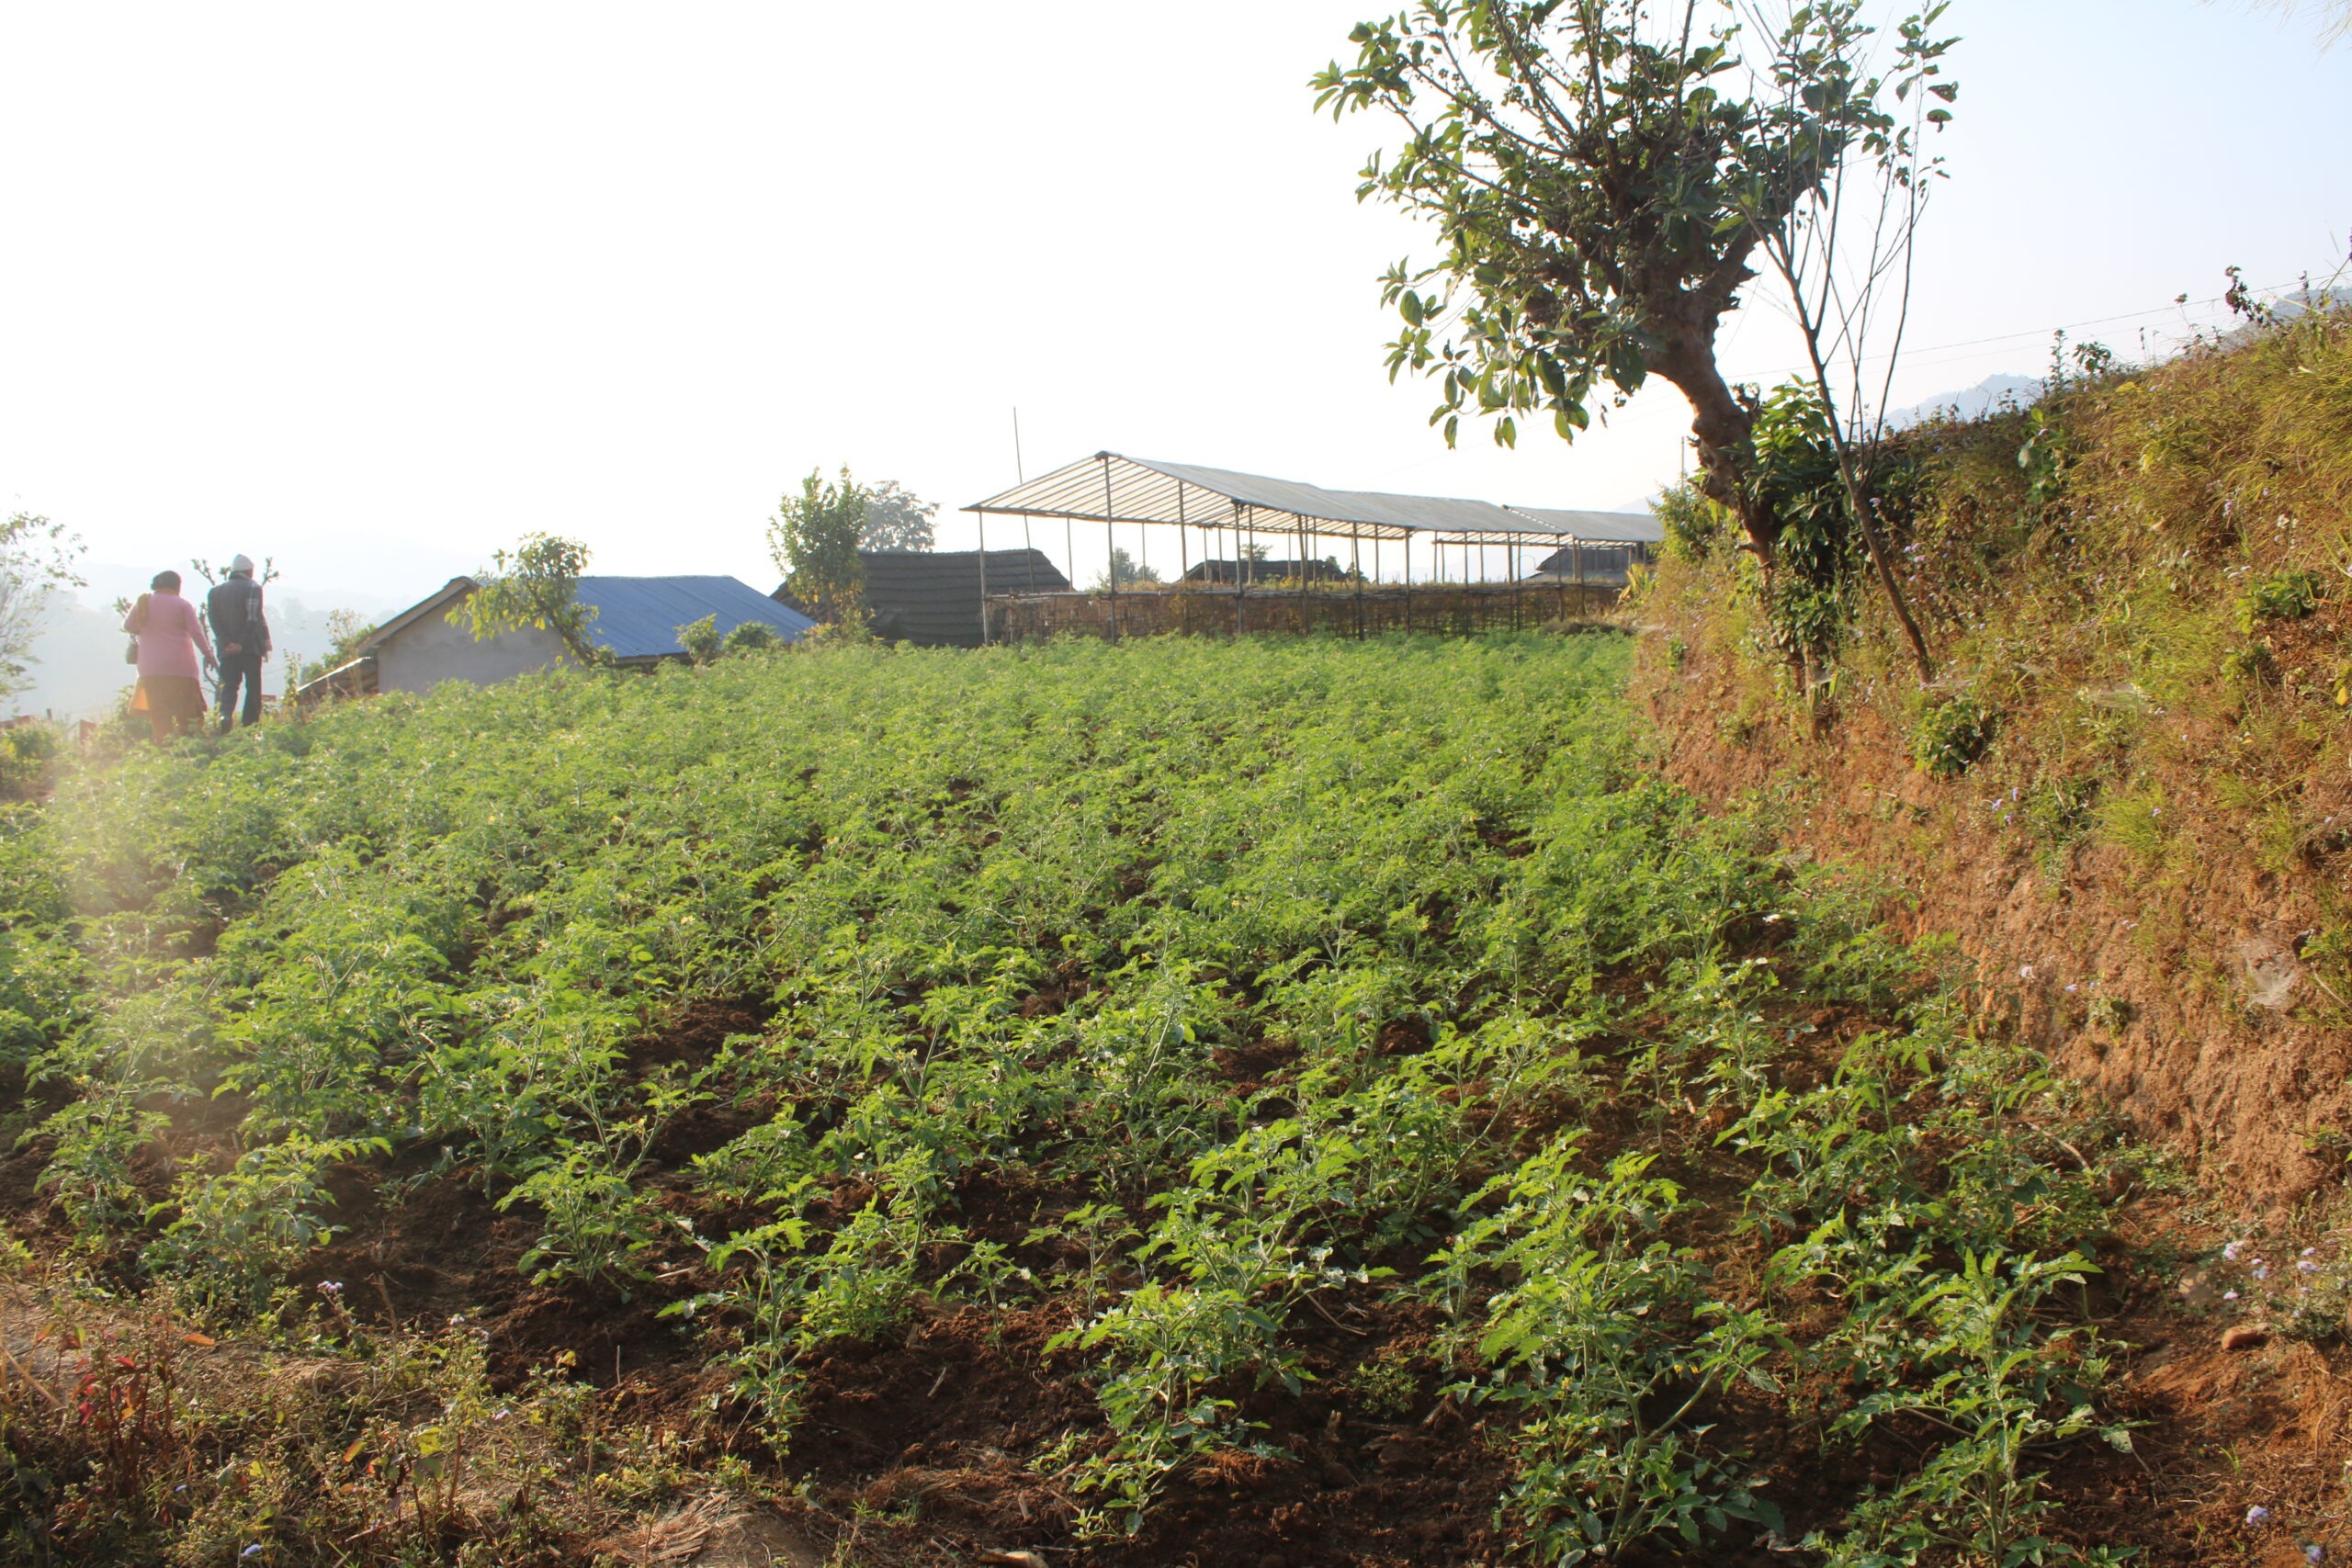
2278 596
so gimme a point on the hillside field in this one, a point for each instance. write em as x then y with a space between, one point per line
1278 1103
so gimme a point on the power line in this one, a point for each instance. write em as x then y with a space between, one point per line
2069 326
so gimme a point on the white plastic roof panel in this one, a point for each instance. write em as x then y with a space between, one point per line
1110 488
1597 527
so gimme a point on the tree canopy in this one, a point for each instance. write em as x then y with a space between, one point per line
1122 572
535 586
814 539
897 520
1602 174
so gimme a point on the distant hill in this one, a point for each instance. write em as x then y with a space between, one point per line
2021 391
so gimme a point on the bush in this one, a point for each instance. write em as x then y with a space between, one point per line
750 637
1695 526
26 753
1950 736
700 639
2280 596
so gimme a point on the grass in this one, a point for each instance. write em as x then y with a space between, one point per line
2144 586
1316 1038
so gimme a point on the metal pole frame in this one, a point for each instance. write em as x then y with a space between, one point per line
1183 548
1356 568
1300 564
984 578
1245 517
1111 533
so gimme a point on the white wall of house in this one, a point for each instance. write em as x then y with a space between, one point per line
429 650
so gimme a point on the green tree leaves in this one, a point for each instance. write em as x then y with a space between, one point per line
814 538
533 587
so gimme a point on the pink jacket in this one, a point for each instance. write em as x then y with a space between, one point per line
167 643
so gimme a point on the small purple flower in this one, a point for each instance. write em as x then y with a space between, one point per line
2314 1555
2306 1266
2230 1253
2258 1515
2261 1269
250 1550
331 1288
2311 1252
2229 1296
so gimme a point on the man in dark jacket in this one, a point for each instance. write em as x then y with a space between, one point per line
242 633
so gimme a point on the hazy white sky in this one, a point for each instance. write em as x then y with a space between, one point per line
375 289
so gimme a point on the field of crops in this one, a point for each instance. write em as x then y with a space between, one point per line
1271 1103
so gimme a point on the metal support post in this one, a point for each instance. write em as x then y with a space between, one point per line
1111 533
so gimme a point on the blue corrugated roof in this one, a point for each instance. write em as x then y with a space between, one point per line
638 617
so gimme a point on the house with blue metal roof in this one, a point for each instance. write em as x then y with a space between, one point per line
636 620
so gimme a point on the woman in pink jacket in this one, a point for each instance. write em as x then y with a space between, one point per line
169 632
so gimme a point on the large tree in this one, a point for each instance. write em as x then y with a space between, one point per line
1603 173
897 520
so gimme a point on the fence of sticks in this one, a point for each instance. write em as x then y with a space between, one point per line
1342 609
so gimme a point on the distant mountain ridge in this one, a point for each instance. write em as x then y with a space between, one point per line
2018 391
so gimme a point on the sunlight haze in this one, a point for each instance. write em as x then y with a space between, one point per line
375 290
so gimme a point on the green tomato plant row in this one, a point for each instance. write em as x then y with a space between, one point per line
1012 915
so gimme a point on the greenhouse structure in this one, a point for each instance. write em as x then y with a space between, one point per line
1255 554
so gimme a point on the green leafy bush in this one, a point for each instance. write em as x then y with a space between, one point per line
750 637
701 639
2278 596
1951 733
1695 527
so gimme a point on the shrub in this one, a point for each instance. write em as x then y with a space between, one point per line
26 753
700 639
1950 735
749 637
2278 596
1695 526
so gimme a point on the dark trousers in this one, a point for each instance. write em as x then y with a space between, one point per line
241 669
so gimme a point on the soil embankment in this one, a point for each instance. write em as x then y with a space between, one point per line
2144 986
2126 792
